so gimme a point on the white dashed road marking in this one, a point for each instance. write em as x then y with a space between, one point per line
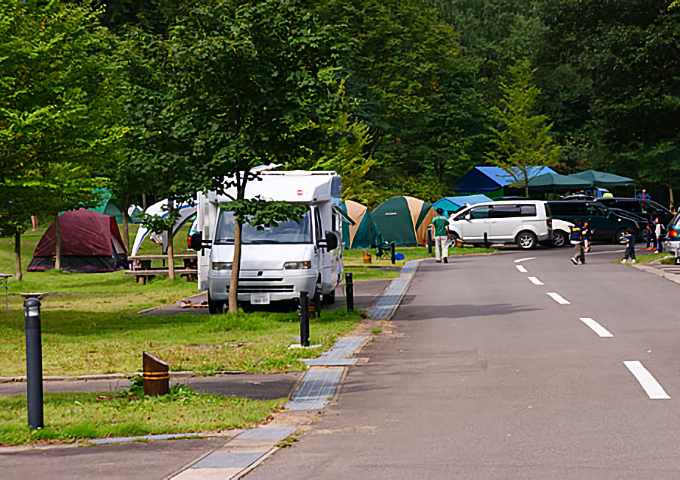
520 260
597 328
649 384
558 298
521 268
536 281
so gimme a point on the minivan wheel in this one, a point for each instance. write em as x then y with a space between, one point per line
526 240
620 237
559 239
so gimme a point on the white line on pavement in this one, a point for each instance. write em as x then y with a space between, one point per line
653 389
521 268
535 281
558 298
520 260
597 328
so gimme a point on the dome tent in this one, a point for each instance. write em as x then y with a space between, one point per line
364 233
91 242
403 220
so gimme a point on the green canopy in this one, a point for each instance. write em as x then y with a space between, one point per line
603 179
555 181
106 205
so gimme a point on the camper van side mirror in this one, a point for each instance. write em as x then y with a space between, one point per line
196 241
332 241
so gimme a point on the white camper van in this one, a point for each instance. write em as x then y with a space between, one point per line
279 262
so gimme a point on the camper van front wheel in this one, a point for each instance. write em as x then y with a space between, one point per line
215 306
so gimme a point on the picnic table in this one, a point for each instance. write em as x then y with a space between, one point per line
141 267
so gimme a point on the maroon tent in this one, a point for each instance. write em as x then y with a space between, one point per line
91 242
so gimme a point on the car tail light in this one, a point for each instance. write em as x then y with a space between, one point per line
548 222
674 233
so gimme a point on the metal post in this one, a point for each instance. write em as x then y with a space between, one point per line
304 319
34 374
393 253
486 240
429 241
349 292
317 305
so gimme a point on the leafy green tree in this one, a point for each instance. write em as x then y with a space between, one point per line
55 96
252 84
522 138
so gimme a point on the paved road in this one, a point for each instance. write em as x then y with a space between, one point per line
486 376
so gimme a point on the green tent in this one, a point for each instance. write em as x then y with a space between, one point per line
106 205
364 233
603 179
555 181
404 220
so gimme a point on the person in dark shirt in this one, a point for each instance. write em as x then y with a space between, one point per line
576 239
630 247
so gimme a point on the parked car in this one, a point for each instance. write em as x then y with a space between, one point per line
637 206
524 222
672 242
606 225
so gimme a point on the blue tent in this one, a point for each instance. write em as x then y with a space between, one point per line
490 179
453 204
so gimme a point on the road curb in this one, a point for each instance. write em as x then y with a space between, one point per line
659 273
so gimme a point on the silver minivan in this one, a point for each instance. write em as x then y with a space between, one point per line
523 222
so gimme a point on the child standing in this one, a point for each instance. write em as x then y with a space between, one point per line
576 238
630 247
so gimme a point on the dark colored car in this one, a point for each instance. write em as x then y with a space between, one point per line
608 226
637 206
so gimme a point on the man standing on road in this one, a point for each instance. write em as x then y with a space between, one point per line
440 225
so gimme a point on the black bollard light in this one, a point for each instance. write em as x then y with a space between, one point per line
393 253
304 319
34 375
349 292
429 241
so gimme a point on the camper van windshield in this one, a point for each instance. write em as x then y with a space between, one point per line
285 232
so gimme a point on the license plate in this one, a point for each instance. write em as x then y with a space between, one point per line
260 299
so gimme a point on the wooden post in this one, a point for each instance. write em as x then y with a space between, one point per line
156 375
18 273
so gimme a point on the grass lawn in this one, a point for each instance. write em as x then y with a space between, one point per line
90 325
662 258
71 417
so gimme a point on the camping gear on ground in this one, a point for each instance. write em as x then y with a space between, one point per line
603 179
493 180
364 233
91 242
403 220
453 204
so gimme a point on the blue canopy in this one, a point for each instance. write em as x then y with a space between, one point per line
489 179
453 204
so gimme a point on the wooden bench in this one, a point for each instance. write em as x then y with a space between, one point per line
143 276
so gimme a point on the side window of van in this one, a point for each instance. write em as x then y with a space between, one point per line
479 213
318 226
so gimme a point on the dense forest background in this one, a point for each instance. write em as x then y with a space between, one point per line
407 94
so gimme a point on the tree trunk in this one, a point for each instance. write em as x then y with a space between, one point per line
126 223
671 196
34 222
18 274
57 243
144 201
235 268
171 246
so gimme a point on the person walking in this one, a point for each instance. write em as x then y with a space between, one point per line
630 247
576 238
587 237
658 233
440 227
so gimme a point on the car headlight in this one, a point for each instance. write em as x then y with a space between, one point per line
302 265
221 265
